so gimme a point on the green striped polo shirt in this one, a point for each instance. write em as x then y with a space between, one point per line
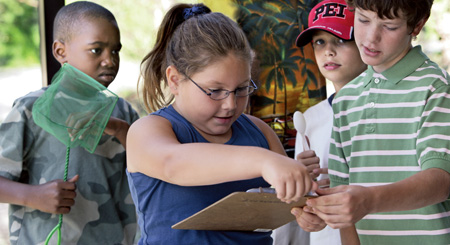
387 127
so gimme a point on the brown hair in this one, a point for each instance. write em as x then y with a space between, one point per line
190 43
412 10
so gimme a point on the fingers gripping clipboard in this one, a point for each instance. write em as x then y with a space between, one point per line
243 211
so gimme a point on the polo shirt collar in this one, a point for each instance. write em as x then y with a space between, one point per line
407 65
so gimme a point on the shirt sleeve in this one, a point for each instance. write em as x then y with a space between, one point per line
15 139
433 137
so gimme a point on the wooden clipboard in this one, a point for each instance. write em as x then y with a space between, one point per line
243 211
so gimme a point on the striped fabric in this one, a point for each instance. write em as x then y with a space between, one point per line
387 127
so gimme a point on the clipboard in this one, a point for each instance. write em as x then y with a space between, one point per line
243 211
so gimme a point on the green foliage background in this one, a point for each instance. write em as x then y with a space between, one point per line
19 33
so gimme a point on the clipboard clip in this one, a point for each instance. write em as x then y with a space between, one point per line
262 190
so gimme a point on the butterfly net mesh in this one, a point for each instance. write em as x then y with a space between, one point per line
75 108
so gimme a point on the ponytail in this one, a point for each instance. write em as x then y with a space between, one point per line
153 66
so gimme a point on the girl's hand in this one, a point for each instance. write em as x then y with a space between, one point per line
289 177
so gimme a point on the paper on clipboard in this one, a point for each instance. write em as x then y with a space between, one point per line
243 211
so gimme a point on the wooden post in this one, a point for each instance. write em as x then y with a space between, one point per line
47 11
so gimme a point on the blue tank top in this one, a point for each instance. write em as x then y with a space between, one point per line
160 204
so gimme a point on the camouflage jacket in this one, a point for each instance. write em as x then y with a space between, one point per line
103 213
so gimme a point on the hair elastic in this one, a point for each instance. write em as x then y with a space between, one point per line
195 10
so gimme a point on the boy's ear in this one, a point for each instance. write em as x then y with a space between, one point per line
173 79
419 27
59 51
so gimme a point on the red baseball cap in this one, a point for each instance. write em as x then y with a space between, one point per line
333 16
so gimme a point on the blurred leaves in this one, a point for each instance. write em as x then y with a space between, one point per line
19 33
435 36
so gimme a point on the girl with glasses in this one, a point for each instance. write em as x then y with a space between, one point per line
198 146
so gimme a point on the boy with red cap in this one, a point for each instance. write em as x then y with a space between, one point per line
330 31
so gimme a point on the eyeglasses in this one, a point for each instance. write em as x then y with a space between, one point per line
220 94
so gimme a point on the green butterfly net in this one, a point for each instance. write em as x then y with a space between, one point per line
75 109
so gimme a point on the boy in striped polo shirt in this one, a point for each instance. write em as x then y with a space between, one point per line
389 157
